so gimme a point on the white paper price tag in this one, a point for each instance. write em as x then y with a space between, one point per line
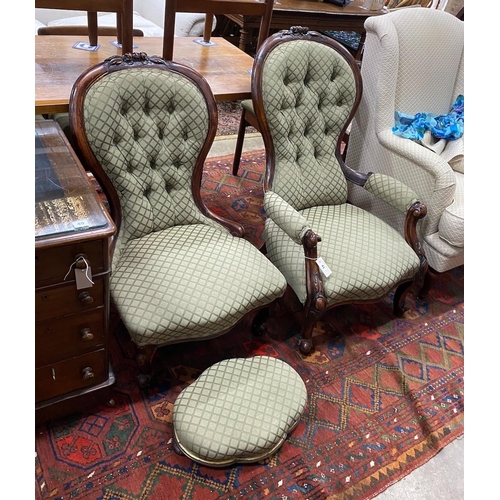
83 278
323 267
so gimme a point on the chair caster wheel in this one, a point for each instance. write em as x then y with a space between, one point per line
143 380
305 346
258 323
399 311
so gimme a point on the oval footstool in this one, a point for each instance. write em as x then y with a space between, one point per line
238 410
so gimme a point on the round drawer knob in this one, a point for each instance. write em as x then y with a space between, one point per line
86 334
81 261
85 298
87 373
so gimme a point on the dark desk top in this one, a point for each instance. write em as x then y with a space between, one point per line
65 202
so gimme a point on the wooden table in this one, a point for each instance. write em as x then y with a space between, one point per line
58 65
318 16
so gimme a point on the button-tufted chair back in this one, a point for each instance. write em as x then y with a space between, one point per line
180 273
308 92
147 129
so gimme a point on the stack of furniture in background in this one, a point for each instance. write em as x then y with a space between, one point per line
121 8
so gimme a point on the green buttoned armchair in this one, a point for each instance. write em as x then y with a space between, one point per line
180 273
305 90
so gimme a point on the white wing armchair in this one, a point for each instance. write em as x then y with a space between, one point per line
413 62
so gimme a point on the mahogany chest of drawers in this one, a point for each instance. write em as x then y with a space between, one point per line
72 236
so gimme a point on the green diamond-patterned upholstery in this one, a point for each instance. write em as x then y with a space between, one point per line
285 216
238 410
247 105
409 66
177 275
190 282
366 256
399 195
308 92
141 127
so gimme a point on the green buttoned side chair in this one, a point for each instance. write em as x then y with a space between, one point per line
305 90
180 273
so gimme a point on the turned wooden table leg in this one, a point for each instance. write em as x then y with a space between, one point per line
245 39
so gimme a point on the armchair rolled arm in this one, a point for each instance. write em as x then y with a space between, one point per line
286 217
404 199
414 152
299 230
392 191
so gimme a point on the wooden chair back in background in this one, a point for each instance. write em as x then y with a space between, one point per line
124 17
263 8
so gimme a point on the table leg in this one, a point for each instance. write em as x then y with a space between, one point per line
245 38
359 52
92 24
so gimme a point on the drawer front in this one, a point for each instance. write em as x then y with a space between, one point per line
66 299
68 336
69 375
52 264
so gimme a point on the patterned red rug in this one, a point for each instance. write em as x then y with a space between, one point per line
229 115
237 198
384 396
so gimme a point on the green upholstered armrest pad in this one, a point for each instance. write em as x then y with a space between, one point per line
391 191
285 216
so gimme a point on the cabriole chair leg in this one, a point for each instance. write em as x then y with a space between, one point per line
144 360
400 298
429 280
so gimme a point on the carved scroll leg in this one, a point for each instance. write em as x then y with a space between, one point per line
305 343
315 305
144 361
429 280
313 315
400 298
415 213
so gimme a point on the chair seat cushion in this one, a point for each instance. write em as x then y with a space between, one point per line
451 224
367 256
238 410
178 284
247 105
